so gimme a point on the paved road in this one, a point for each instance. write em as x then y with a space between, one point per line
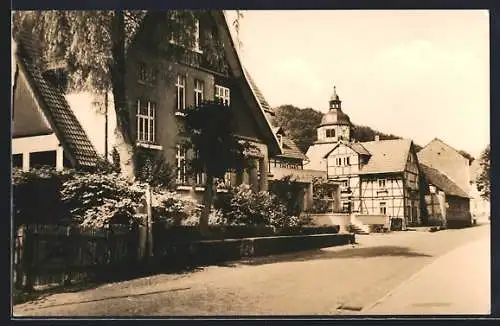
337 280
458 282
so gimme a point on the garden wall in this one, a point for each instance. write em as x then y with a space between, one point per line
215 251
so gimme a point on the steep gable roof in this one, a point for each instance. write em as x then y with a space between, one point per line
357 147
236 67
441 181
55 107
441 156
289 148
386 156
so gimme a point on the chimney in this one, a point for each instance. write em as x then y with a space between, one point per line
377 137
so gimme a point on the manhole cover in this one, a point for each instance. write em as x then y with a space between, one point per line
431 304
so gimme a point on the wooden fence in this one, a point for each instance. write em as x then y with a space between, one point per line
45 255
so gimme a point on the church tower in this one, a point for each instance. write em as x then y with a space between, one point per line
335 124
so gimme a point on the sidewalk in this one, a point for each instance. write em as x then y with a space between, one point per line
456 283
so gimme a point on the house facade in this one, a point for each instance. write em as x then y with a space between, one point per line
161 84
447 204
455 167
45 132
290 161
380 177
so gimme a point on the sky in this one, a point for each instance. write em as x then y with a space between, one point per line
416 74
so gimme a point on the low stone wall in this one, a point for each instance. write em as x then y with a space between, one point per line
343 220
216 251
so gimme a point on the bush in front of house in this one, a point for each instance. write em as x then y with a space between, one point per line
36 196
101 199
171 209
242 206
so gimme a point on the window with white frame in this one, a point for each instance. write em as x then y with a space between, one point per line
222 94
199 87
347 161
382 208
146 118
381 183
330 133
180 158
180 95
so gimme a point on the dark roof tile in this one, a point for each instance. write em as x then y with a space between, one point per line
55 106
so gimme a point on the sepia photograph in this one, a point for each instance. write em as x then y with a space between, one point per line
246 163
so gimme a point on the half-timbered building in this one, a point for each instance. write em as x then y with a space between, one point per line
379 177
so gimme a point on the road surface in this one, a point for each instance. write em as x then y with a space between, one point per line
332 281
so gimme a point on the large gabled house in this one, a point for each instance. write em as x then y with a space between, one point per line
380 177
159 87
289 162
45 132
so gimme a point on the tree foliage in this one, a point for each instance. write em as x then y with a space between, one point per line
299 124
218 150
483 179
94 45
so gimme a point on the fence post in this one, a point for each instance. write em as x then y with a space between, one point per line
27 254
149 223
69 254
18 257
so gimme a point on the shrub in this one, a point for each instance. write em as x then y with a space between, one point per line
288 192
100 199
172 209
36 195
321 191
241 205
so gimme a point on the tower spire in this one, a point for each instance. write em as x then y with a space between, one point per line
334 96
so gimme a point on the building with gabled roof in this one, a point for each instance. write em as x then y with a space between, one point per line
160 86
456 168
380 177
290 161
447 204
45 130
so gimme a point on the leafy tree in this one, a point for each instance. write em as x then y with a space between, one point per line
209 127
299 124
288 190
94 46
483 180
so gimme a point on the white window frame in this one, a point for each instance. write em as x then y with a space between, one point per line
180 159
180 86
199 90
382 208
146 123
223 93
328 133
381 183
